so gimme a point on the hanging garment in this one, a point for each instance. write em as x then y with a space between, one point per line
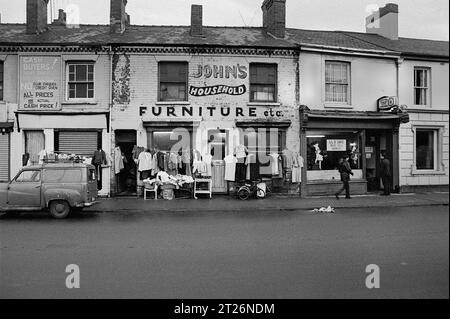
230 168
160 160
207 160
240 151
172 164
145 162
99 158
118 161
275 163
252 168
241 170
297 169
42 154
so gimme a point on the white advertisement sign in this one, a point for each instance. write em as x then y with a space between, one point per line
336 145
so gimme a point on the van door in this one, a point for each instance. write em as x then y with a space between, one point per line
25 190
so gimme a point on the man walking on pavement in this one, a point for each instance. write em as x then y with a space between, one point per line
385 173
346 171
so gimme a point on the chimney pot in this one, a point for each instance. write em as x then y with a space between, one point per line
274 17
196 20
36 16
62 18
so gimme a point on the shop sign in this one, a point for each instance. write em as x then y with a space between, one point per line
336 145
388 104
221 71
39 83
217 89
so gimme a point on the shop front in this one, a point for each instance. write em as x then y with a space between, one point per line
328 136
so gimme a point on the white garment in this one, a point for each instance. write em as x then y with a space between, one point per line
275 168
42 154
145 161
118 161
230 168
297 168
240 151
207 159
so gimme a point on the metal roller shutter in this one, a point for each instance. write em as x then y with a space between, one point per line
4 157
78 143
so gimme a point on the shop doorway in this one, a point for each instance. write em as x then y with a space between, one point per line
217 145
126 181
377 141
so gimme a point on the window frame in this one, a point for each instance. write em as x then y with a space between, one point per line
427 88
186 83
252 84
438 150
348 101
68 82
2 80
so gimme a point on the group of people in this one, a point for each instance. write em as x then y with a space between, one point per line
346 171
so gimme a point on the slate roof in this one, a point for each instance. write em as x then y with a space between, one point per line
12 34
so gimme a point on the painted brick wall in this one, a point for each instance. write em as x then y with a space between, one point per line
407 176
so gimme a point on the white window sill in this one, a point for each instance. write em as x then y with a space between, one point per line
337 106
426 172
273 104
80 102
173 103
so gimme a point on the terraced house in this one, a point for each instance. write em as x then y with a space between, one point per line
121 88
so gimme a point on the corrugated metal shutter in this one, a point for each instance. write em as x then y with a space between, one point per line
78 143
4 157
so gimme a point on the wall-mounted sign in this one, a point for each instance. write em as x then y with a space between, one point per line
221 71
388 104
217 89
336 145
369 149
39 83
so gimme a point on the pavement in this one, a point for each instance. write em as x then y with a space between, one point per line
273 203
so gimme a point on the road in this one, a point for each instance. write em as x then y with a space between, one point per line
228 255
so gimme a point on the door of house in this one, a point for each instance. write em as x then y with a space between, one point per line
217 144
377 141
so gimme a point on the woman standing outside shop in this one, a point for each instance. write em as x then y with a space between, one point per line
345 171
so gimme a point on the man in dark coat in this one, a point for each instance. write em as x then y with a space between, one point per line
346 171
385 174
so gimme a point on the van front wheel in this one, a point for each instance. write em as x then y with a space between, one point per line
59 209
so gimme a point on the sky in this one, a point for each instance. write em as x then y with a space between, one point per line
426 19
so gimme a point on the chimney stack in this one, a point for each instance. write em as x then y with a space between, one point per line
384 22
196 20
119 19
274 17
62 18
36 16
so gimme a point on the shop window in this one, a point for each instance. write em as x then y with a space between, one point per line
263 82
327 148
170 140
426 149
337 82
34 145
422 86
1 79
262 142
173 81
79 143
80 83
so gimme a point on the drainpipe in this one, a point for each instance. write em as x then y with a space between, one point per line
110 118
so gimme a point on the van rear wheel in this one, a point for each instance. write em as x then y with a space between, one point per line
59 209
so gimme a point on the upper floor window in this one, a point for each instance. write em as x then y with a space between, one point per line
1 80
421 86
337 82
80 84
173 81
263 82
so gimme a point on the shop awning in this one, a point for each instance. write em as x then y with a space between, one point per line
6 127
172 124
266 124
352 119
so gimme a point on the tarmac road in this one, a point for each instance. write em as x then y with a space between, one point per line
243 254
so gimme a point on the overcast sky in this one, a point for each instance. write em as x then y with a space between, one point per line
428 19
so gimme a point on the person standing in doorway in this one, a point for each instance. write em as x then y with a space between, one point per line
386 174
345 171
